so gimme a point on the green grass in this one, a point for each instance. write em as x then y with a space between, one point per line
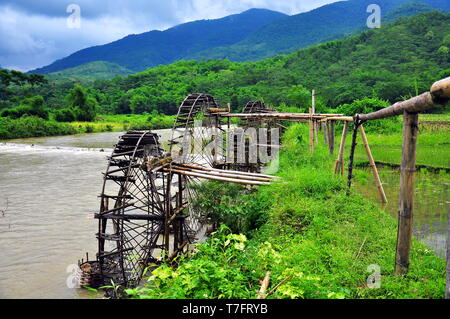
310 233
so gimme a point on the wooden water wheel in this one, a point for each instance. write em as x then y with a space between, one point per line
137 201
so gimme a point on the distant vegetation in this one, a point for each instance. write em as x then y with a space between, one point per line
89 72
138 52
249 36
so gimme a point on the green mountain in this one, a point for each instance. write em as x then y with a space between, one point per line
249 36
138 52
396 61
330 22
98 70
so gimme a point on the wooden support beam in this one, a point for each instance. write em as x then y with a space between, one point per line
447 286
373 166
224 174
311 131
338 118
264 286
405 214
313 106
331 134
325 132
439 94
339 165
219 178
227 171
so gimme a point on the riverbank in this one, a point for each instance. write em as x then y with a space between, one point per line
316 241
31 126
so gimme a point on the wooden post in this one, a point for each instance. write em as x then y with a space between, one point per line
339 165
331 136
405 214
373 167
311 131
447 291
313 106
325 132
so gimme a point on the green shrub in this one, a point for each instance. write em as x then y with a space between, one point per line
31 126
65 115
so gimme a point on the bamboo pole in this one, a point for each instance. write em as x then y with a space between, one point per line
338 118
447 287
331 137
230 174
219 178
226 171
352 154
373 167
325 132
313 106
439 94
264 286
339 165
405 214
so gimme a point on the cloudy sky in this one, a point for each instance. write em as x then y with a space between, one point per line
34 33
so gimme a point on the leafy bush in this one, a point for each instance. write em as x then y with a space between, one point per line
33 106
65 115
230 204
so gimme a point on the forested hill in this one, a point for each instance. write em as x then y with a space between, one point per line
140 51
396 61
330 22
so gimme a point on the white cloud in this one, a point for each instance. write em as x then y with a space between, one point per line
35 33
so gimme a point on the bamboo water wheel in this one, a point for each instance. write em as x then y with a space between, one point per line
147 213
138 198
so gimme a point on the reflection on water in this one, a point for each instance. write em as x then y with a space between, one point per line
49 194
431 202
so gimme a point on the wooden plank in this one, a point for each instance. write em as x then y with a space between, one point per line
218 178
311 131
447 286
416 104
225 174
373 166
264 286
227 171
405 214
